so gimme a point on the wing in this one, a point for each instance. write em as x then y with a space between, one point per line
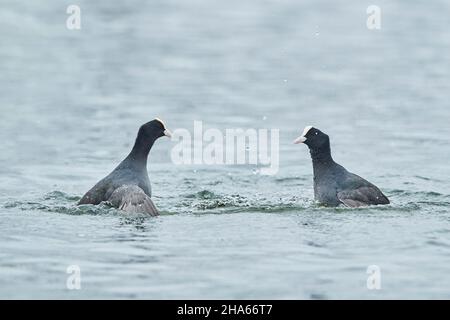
96 194
131 198
362 196
356 192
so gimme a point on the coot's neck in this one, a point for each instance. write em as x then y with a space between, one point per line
321 156
139 154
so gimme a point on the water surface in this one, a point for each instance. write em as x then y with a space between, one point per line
71 103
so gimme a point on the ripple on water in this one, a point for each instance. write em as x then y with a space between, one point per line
60 202
209 202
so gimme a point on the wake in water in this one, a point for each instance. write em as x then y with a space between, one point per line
201 202
60 202
208 202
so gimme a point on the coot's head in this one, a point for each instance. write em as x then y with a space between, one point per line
313 138
153 130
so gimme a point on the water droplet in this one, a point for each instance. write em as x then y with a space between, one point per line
264 118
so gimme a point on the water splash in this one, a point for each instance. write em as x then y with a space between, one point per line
208 202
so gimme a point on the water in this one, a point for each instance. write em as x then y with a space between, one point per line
71 102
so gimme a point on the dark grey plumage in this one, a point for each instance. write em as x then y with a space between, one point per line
127 187
333 184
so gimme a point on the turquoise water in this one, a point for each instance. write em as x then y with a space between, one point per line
71 103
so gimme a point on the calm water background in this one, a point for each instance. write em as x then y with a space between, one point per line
71 103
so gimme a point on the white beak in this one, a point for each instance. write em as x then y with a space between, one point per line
300 139
167 133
